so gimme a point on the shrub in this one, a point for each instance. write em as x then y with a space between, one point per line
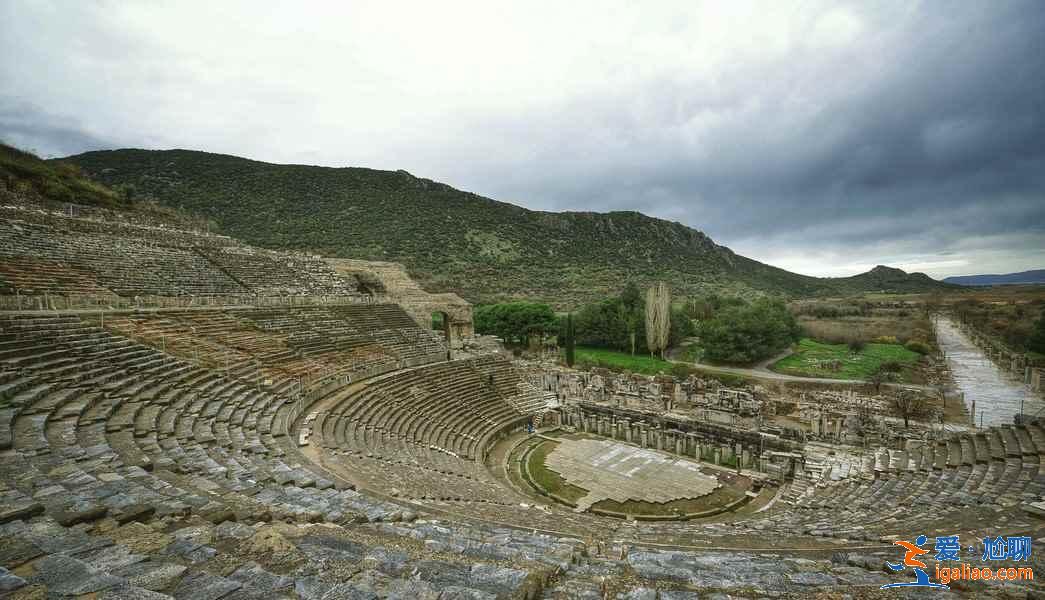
856 345
729 380
891 366
886 339
681 371
515 322
918 346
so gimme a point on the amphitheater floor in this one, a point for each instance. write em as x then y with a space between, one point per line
620 472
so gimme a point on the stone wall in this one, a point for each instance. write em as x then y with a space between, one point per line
418 303
701 441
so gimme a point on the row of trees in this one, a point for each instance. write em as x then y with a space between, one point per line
629 322
633 323
515 322
730 329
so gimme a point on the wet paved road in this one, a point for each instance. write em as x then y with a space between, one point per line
997 393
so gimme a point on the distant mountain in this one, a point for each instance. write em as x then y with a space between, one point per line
453 240
1036 276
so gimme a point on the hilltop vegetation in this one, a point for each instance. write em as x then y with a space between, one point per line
26 178
451 240
23 172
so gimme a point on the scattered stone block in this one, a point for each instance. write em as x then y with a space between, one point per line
151 575
19 511
67 576
204 586
9 582
79 513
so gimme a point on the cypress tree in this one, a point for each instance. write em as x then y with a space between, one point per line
570 341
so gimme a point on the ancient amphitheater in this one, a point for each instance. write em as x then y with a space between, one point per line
182 415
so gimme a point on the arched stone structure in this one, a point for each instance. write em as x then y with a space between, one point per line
389 281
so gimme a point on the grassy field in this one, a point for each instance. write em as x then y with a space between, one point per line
610 359
854 365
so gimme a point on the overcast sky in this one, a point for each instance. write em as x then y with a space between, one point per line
823 138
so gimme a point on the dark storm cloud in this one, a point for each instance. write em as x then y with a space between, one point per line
824 138
934 134
28 127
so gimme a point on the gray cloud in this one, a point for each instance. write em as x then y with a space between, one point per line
824 138
27 126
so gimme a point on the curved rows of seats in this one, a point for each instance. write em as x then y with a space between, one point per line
19 275
101 428
89 220
286 345
127 266
82 406
183 437
448 406
420 433
271 273
55 254
186 558
1001 467
973 482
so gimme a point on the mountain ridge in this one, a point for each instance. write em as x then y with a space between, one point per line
1033 276
453 240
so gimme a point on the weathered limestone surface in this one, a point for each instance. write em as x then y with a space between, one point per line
619 472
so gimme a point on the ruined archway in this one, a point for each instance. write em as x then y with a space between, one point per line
389 282
440 322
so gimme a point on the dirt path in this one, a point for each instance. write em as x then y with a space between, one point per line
761 371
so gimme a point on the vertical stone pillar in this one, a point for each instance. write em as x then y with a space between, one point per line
718 456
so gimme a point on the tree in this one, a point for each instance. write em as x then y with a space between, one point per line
613 323
631 311
630 318
748 333
570 341
881 376
658 317
908 403
1036 342
515 322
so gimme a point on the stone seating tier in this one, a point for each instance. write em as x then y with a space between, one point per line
45 253
99 426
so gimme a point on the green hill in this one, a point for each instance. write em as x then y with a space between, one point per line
449 239
28 179
54 181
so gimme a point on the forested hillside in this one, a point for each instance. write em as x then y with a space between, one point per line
454 240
